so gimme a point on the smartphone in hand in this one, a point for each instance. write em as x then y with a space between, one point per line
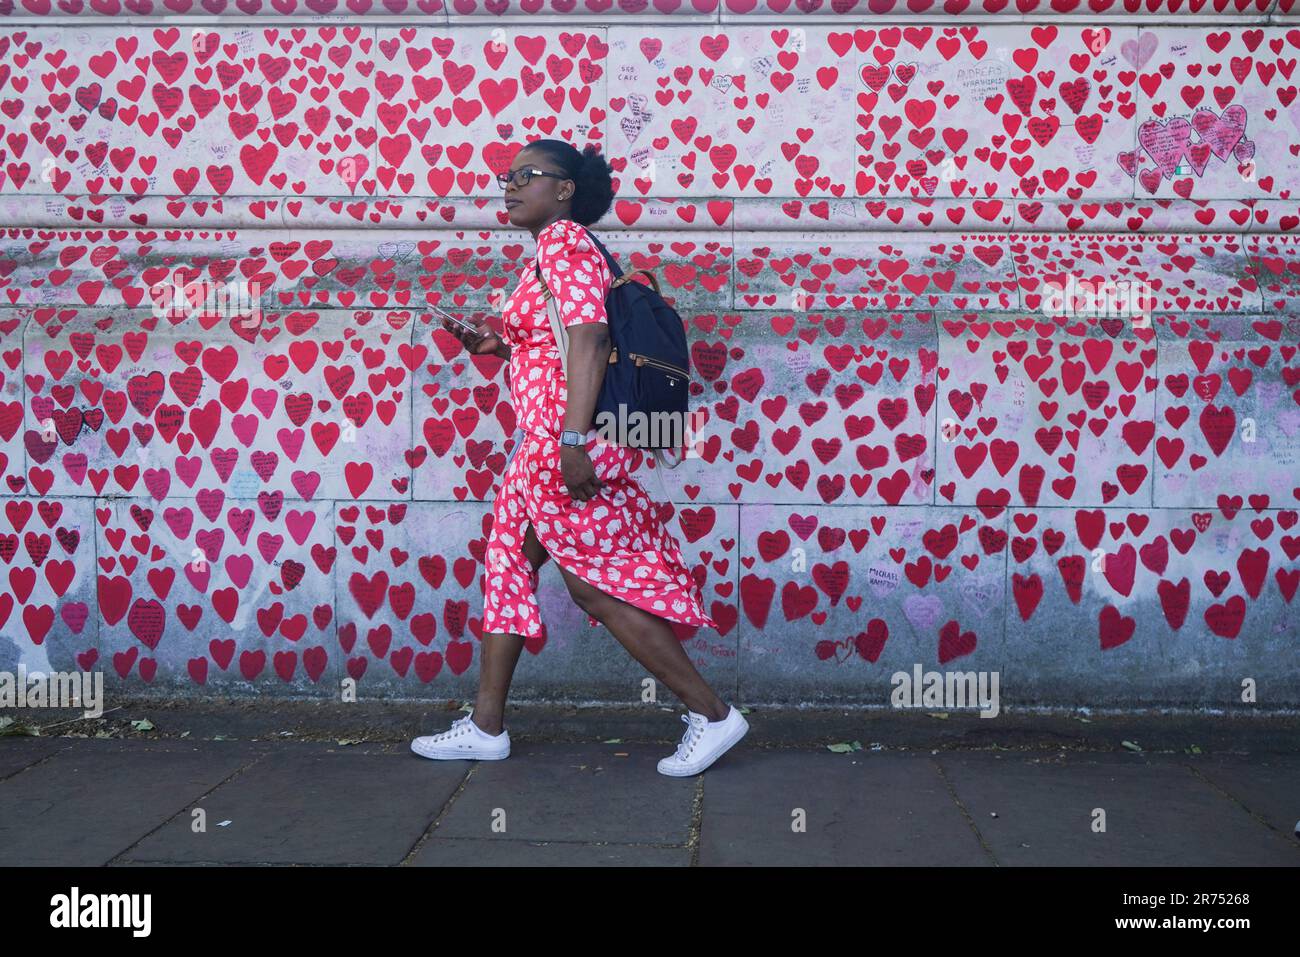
472 330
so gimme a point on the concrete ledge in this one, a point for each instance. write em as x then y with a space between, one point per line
371 724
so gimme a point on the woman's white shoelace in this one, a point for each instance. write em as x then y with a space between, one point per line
458 727
693 731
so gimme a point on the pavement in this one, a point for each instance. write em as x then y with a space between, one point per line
309 783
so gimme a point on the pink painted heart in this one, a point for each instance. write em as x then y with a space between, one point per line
1139 51
1220 133
1165 142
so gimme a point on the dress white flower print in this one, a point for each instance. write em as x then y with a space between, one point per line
616 541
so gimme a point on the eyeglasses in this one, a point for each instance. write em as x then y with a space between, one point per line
523 176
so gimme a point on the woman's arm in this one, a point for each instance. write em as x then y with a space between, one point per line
578 276
589 349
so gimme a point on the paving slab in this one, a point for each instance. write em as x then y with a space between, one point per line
313 804
21 751
90 801
500 852
1268 785
861 809
579 793
162 864
1157 812
128 802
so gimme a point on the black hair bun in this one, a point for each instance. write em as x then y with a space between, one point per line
595 187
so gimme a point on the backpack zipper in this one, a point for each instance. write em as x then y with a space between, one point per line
641 360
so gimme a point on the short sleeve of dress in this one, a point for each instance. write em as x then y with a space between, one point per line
575 271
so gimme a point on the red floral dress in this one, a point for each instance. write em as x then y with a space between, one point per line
616 541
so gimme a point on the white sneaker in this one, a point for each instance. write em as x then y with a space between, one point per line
464 740
703 743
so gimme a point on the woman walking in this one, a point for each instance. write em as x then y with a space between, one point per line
566 495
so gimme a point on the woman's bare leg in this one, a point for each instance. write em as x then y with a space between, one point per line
498 656
651 641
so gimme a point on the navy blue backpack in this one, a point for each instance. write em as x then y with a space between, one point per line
649 366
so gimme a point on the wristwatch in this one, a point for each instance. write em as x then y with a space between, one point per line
573 439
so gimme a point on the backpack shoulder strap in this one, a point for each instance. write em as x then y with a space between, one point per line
557 328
